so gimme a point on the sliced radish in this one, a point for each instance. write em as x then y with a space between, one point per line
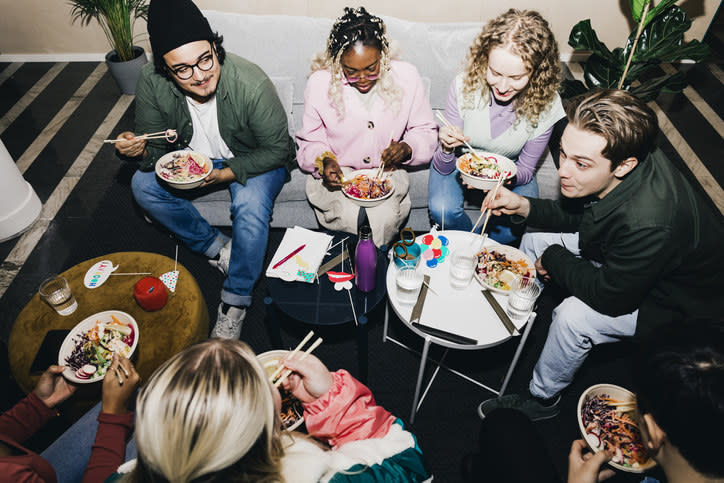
593 440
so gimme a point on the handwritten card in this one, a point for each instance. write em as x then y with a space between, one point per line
303 265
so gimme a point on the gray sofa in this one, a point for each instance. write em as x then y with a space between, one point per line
283 46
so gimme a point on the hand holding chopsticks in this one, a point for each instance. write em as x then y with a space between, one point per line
169 135
447 124
292 355
487 208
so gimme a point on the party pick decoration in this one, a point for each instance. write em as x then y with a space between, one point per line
170 279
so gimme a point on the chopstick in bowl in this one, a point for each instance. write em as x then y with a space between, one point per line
279 370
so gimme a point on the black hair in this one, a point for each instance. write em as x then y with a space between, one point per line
216 41
356 25
679 380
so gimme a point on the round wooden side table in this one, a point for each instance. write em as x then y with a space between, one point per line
183 321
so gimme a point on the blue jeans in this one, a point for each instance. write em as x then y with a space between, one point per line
446 199
251 210
575 327
70 453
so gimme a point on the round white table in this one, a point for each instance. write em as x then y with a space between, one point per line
465 313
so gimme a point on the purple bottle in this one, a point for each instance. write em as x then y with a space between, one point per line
365 260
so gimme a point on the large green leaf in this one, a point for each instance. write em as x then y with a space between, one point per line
637 8
649 90
657 10
601 72
663 40
583 37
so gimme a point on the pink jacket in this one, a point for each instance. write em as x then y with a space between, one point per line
362 135
347 412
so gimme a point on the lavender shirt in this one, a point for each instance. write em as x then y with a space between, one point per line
502 117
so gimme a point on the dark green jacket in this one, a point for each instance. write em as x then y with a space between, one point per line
252 121
659 246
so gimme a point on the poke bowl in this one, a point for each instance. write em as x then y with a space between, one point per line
607 417
183 170
365 190
498 265
292 410
484 172
88 348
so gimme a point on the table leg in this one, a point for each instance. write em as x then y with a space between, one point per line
420 374
272 323
523 338
362 350
387 321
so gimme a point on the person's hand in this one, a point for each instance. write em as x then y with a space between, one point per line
540 271
395 154
119 386
506 202
331 173
216 176
53 388
451 137
309 380
585 467
130 146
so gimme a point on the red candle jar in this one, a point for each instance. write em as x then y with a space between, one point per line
150 293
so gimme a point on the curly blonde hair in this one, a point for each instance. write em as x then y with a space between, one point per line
358 26
526 34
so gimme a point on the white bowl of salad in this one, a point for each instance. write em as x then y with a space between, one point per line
184 170
88 349
365 189
484 171
607 418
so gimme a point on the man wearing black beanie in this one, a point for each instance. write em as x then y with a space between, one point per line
226 108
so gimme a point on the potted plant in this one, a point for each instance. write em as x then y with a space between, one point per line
658 37
117 18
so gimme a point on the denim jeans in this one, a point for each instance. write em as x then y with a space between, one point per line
70 453
575 327
446 199
251 210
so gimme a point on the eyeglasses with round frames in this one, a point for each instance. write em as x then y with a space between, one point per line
185 72
354 80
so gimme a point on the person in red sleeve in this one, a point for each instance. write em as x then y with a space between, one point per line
17 425
66 458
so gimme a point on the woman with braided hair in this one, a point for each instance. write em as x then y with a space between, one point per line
362 108
506 102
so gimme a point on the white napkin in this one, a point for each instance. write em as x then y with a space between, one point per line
302 266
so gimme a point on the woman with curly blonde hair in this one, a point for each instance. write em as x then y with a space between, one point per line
362 108
506 102
211 414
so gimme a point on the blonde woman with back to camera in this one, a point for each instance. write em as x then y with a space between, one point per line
211 414
506 102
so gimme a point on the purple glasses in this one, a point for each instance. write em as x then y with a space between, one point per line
353 80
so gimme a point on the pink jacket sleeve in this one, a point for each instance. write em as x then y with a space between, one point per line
421 130
347 412
109 449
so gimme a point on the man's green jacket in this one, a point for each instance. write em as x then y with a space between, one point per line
252 121
658 244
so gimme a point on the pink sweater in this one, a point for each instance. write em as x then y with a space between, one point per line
361 134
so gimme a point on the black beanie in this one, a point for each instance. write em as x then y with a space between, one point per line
173 23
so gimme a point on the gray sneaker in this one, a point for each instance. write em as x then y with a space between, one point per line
228 326
530 407
223 262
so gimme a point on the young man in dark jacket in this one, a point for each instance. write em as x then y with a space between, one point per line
634 244
227 108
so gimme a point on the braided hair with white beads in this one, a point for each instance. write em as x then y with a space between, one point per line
357 27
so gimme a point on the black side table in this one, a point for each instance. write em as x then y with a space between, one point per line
318 303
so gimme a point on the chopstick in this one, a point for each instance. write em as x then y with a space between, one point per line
381 168
291 356
153 135
301 358
487 209
447 124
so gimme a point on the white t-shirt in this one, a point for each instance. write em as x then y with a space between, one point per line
207 138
